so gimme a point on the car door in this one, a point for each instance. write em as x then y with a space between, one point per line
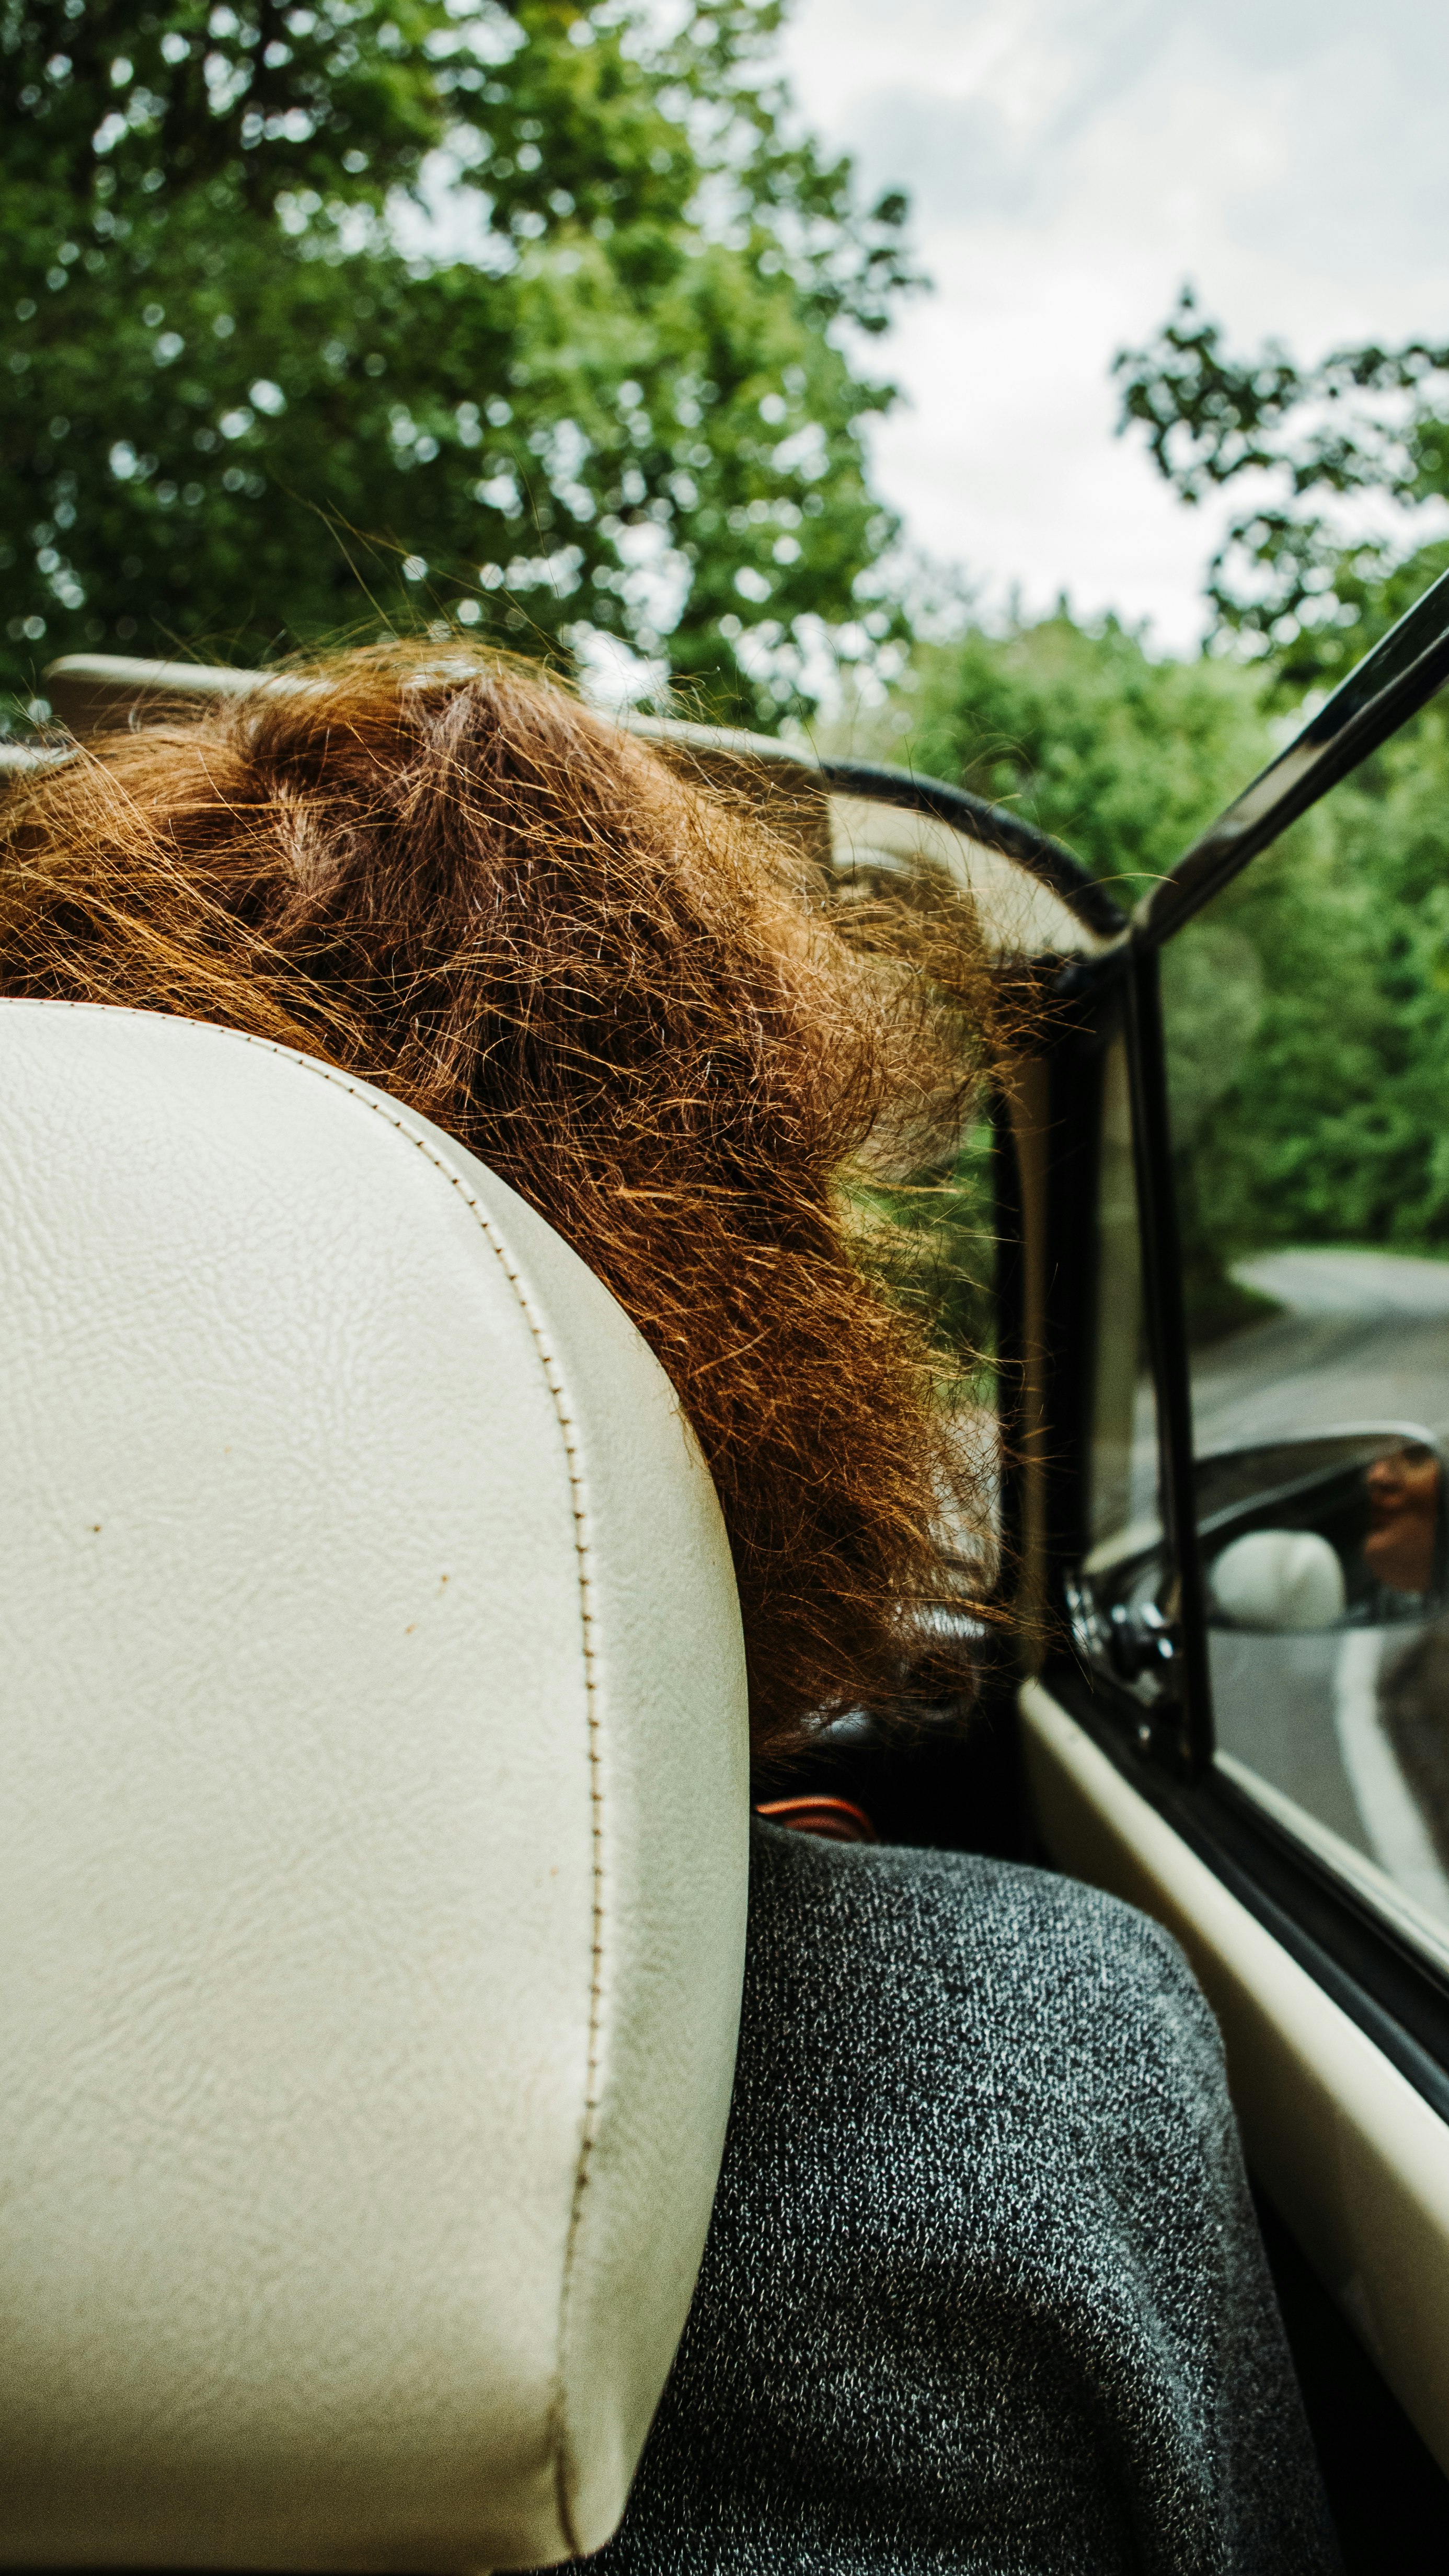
1234 1432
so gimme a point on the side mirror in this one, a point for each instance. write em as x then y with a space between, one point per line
1347 1527
1340 1527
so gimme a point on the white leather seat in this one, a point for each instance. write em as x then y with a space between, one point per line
373 1838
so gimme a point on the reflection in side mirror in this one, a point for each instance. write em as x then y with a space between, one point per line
1342 1528
1403 1491
1278 1580
1334 1527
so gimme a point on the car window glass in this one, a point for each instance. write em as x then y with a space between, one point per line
1312 1197
1122 1593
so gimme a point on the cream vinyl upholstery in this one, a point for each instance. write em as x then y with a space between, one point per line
373 1844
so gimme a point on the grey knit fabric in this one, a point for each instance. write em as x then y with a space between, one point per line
983 2290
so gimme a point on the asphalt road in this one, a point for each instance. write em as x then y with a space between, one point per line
1364 1337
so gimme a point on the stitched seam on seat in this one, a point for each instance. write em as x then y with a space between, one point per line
381 1108
559 2442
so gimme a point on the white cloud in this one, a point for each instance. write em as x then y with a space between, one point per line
1070 162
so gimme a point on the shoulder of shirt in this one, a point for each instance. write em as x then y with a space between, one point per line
1043 1941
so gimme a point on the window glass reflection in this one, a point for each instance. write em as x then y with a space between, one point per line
1315 1238
1123 1485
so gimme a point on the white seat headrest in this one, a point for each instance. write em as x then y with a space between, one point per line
373 1854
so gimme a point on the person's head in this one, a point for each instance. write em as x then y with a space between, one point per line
1403 1500
453 880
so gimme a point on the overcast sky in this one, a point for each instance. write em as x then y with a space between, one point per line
1069 163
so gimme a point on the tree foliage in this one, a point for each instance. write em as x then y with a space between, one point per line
1324 1118
1307 1009
1122 757
363 309
1307 1014
1368 419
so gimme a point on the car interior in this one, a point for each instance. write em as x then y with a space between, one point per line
254 1928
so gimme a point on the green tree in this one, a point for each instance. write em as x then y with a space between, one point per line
1332 1129
1285 583
1307 1014
365 309
1122 757
1307 1009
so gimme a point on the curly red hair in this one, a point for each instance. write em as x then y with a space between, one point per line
453 879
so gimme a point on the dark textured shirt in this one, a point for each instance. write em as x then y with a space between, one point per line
983 2289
